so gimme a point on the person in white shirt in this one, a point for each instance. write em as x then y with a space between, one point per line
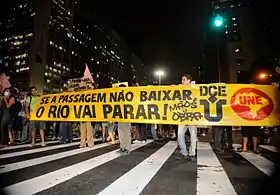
182 129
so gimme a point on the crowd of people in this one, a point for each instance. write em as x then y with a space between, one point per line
16 108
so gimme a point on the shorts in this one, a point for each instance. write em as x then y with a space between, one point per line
111 127
35 126
104 125
250 131
17 124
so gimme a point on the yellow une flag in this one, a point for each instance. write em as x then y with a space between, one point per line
212 104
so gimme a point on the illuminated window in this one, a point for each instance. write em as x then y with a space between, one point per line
23 69
237 50
17 43
21 56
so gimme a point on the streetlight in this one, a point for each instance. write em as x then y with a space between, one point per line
159 73
263 76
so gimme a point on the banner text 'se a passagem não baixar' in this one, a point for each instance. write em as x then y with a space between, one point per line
212 104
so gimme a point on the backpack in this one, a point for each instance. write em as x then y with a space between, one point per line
30 100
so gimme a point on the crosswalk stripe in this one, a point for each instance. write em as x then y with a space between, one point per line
51 179
134 181
211 177
259 162
270 148
41 149
49 158
27 145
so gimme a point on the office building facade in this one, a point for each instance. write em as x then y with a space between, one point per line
232 46
46 47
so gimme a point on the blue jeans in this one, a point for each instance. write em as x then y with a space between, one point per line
182 129
154 133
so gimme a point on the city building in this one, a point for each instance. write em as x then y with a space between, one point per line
230 50
46 47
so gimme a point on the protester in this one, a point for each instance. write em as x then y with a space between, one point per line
25 136
5 118
218 132
34 126
14 107
154 132
182 129
124 135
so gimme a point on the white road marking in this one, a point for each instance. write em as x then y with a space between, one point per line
261 163
49 158
270 148
27 145
36 150
134 181
211 177
51 179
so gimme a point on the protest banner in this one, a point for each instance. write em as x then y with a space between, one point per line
79 84
212 104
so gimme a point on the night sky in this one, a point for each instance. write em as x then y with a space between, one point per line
165 35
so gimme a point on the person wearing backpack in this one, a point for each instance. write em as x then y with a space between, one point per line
34 126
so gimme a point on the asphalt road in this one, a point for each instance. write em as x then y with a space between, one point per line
150 169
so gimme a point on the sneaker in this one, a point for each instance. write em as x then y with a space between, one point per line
125 152
219 151
181 157
143 142
192 158
136 142
43 144
120 150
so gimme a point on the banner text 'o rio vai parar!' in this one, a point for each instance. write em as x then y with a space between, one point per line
212 104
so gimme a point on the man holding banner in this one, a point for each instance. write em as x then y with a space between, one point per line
186 80
34 126
124 135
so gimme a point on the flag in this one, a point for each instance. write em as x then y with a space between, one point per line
87 74
4 82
